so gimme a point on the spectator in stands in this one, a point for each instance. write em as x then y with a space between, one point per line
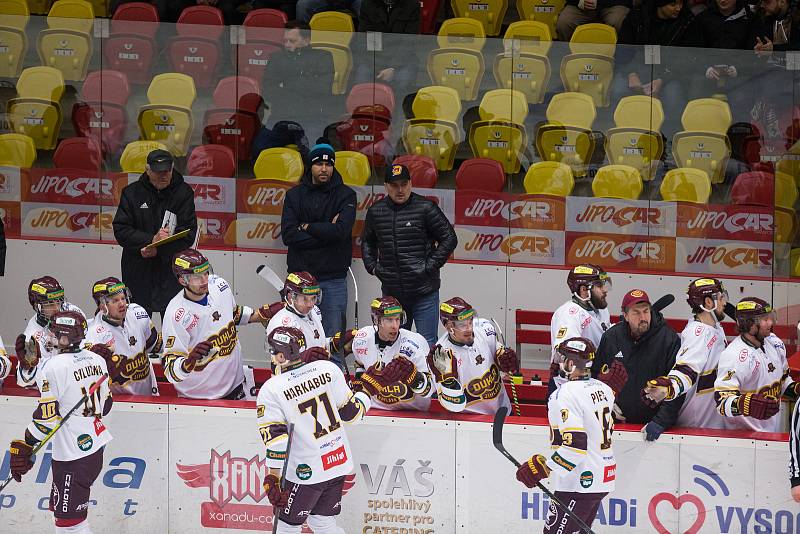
282 134
297 82
316 226
397 63
647 346
151 209
308 8
406 241
577 12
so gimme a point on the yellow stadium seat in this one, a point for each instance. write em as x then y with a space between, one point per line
549 178
702 150
45 83
638 148
571 109
13 46
526 73
790 164
532 38
639 111
795 261
707 115
503 105
282 163
567 135
134 157
66 50
461 32
785 190
332 27
173 89
544 11
15 14
461 69
75 15
489 13
617 181
594 38
342 59
786 224
169 125
502 141
353 166
686 185
436 139
17 150
591 74
437 102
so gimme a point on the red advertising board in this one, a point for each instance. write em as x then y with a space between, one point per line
718 221
505 210
621 251
72 186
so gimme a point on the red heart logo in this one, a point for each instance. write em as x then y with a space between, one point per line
676 503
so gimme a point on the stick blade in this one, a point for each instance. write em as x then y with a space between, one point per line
497 427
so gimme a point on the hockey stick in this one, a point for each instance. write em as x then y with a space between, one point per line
42 443
269 275
663 302
502 340
355 291
497 439
283 475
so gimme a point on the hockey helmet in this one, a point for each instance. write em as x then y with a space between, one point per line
302 283
68 323
587 275
704 287
107 287
188 262
749 310
386 307
578 349
45 290
456 309
287 340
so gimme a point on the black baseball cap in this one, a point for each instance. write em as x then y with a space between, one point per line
397 172
160 160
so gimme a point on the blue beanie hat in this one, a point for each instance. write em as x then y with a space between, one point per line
322 152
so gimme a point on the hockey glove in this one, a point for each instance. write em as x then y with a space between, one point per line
442 364
277 497
370 381
114 362
342 342
792 391
756 405
199 356
27 352
652 431
658 390
400 369
615 376
532 471
314 354
265 313
21 461
507 360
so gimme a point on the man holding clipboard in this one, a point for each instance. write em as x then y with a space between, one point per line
154 220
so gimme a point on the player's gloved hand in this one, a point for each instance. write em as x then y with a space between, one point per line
277 497
313 354
343 341
532 471
198 357
614 376
20 461
442 364
370 381
652 431
265 313
27 352
400 369
757 406
115 363
658 390
792 391
507 360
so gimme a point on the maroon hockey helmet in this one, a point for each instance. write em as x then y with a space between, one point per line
105 288
701 288
578 349
749 310
387 306
302 283
43 290
188 262
586 275
455 309
287 340
68 323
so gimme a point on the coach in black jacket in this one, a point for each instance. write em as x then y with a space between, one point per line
406 240
138 222
647 346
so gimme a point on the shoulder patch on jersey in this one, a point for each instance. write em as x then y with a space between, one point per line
179 314
573 310
564 415
586 322
222 285
361 333
698 330
170 342
286 320
743 355
45 386
561 332
260 409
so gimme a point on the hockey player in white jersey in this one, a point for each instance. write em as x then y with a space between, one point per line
127 331
753 372
32 347
582 465
202 352
584 315
467 361
78 445
695 370
396 357
315 400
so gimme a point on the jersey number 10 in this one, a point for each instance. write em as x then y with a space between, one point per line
312 405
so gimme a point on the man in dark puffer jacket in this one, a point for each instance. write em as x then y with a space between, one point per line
406 240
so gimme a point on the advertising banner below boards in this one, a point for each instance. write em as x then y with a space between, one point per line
216 229
68 221
723 256
515 245
484 208
73 186
621 251
213 194
9 213
615 216
717 221
259 232
10 183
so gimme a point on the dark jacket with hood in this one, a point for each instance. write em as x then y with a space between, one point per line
405 245
324 248
139 217
727 31
651 356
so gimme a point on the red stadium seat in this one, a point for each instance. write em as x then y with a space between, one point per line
79 153
422 168
267 19
232 128
195 51
230 90
367 131
754 188
264 32
427 16
211 160
481 173
137 18
106 86
131 46
366 94
205 22
104 121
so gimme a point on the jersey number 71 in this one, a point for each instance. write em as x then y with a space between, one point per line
312 405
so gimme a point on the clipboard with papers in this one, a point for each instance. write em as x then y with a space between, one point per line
170 239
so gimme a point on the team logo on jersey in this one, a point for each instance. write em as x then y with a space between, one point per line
729 375
136 368
170 342
770 367
85 442
609 473
132 341
561 332
743 355
303 471
215 316
260 410
564 415
479 359
45 386
486 387
394 393
316 334
333 458
587 479
224 340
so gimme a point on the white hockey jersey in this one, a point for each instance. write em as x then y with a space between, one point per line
131 341
62 380
581 425
42 336
187 323
572 320
478 375
695 371
314 398
368 352
744 369
5 363
310 325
